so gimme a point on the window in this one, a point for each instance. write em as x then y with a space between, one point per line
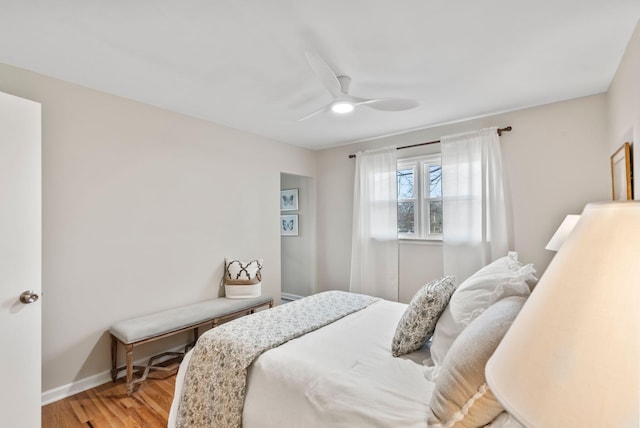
420 198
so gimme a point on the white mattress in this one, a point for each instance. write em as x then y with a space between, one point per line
342 375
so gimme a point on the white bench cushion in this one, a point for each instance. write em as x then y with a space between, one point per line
140 328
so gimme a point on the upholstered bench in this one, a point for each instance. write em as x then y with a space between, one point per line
147 328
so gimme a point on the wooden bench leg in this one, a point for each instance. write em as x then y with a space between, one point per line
114 358
130 384
193 342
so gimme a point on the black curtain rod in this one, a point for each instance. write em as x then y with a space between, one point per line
500 131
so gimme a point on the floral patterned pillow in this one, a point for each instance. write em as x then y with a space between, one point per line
419 320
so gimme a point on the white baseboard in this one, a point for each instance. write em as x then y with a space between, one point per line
73 388
289 296
70 389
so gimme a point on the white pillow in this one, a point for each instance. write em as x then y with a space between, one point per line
240 272
461 397
504 420
502 278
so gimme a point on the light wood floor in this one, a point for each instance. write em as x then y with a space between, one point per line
108 406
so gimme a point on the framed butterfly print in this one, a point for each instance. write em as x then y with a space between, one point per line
289 225
289 200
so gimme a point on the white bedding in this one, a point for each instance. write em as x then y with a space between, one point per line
341 375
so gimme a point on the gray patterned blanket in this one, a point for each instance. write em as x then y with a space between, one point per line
214 388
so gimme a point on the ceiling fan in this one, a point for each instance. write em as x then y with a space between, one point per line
343 102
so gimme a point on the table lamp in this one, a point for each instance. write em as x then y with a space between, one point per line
563 231
572 356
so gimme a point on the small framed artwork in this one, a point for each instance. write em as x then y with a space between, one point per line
289 200
289 225
621 174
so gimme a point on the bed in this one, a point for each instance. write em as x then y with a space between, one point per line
344 373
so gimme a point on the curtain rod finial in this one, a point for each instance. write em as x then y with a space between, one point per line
501 130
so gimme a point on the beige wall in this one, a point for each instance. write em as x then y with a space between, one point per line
140 207
556 163
623 100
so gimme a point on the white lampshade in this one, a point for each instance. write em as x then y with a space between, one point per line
571 358
563 231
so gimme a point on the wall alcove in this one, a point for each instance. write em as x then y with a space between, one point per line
298 264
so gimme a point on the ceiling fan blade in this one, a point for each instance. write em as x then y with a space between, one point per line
325 73
313 113
390 104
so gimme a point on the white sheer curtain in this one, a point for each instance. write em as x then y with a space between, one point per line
476 224
374 244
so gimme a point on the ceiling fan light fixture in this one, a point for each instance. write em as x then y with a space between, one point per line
342 107
344 103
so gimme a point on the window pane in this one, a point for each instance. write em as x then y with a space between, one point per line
406 223
435 181
435 216
405 183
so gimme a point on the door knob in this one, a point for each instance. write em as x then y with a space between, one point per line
29 297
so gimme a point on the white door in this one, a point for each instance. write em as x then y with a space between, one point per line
20 261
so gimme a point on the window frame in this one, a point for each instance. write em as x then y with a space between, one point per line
422 196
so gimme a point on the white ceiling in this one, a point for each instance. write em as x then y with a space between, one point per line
241 63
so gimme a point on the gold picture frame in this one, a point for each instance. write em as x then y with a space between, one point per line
621 174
